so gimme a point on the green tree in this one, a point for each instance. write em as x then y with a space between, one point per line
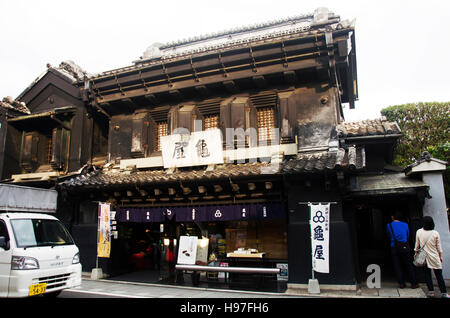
425 127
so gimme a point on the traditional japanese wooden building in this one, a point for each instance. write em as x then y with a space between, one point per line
226 136
43 128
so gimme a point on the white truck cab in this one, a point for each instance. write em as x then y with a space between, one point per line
37 253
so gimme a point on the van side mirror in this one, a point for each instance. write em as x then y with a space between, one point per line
3 243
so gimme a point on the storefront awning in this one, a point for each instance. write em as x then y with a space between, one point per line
394 183
211 213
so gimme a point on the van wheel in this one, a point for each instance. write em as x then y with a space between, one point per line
53 294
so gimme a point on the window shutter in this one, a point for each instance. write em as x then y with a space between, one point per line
288 116
29 152
59 147
225 121
159 121
55 157
182 119
139 135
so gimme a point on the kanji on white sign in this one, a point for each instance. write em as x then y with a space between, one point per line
320 230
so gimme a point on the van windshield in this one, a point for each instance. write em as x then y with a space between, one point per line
40 232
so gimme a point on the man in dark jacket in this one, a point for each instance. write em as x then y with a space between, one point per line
398 232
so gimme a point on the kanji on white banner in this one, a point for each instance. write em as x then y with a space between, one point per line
320 233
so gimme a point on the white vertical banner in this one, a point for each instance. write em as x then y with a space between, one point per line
320 233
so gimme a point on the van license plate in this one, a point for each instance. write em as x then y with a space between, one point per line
37 289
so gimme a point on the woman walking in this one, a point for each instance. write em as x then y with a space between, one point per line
430 241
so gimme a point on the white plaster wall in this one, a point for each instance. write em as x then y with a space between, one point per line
437 209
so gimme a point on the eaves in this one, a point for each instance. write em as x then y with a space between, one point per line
388 138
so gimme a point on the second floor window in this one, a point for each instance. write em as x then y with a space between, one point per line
265 123
162 129
211 122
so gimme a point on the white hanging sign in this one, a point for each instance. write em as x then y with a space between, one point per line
197 149
320 233
187 251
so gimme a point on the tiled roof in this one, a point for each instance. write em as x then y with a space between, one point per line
283 29
370 127
288 20
241 36
67 69
71 70
9 103
389 183
343 159
160 176
426 158
351 159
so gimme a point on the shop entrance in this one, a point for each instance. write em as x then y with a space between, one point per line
148 252
141 252
372 241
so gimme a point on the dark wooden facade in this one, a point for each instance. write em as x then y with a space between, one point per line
47 139
292 79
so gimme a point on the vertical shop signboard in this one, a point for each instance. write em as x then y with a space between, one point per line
320 233
187 250
104 231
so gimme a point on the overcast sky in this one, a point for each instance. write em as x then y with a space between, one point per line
402 46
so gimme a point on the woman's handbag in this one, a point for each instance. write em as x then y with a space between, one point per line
421 256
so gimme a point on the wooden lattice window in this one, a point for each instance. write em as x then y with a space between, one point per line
162 129
211 122
266 122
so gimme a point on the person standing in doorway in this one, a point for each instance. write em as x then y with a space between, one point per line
170 259
398 232
430 240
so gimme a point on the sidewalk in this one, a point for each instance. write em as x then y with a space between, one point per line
364 292
147 290
110 287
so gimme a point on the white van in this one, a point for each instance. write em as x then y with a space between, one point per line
37 255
